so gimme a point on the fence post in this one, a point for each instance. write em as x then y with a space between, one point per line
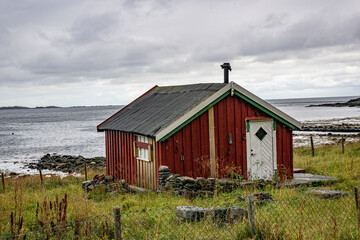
3 181
251 214
357 204
85 171
117 223
41 178
342 145
312 146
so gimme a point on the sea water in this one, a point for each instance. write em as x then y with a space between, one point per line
297 108
28 134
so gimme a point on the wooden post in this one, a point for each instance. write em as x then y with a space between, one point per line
312 146
117 223
86 177
342 145
212 143
251 214
3 182
357 204
41 178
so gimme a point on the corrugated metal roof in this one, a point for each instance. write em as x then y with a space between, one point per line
159 108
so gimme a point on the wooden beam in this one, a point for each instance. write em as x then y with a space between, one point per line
212 143
142 145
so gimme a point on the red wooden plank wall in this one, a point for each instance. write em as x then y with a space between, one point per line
192 142
187 151
120 160
230 115
284 149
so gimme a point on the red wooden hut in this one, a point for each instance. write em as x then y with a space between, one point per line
208 130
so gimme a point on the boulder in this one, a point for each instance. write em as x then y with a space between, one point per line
327 194
228 215
190 213
187 180
164 169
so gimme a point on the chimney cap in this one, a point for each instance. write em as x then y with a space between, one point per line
226 66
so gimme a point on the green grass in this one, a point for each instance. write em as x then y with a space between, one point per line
330 161
332 218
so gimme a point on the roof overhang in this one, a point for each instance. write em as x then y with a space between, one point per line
98 128
230 89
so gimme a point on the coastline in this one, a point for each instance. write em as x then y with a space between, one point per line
328 132
323 136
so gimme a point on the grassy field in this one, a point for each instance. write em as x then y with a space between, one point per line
26 199
330 161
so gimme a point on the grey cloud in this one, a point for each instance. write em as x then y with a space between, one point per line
312 32
93 28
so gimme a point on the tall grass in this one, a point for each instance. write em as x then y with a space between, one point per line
330 161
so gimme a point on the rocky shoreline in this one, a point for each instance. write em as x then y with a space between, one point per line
68 163
333 125
351 103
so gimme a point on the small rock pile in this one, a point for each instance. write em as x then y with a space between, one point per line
68 163
108 182
164 173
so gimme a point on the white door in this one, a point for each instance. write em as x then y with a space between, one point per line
261 149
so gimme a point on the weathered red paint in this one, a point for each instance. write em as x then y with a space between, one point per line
142 144
187 151
120 160
229 118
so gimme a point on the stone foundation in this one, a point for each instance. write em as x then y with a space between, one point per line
200 186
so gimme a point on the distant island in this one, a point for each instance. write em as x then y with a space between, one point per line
14 107
351 103
21 107
48 107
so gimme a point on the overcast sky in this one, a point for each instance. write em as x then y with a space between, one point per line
98 52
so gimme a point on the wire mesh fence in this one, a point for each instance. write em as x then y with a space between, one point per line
308 218
305 218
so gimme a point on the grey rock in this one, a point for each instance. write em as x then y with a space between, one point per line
190 213
86 183
164 169
224 215
237 212
122 182
114 192
186 180
109 178
327 193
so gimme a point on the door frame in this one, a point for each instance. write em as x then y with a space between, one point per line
248 121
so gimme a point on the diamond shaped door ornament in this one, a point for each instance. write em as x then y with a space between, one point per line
261 133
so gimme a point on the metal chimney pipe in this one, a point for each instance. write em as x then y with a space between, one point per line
226 67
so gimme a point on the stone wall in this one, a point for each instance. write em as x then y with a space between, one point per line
198 187
108 182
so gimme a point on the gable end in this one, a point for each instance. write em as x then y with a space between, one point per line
232 89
